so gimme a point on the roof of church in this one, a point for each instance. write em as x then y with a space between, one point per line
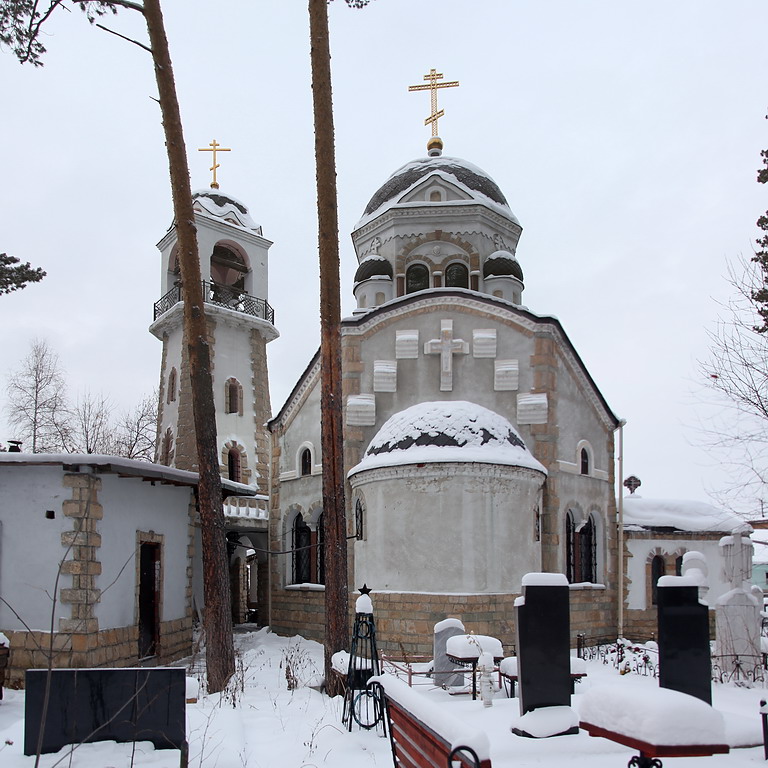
678 514
447 431
475 181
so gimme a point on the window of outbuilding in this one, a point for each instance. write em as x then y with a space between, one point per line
301 546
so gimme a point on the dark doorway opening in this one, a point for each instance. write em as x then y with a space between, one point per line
149 599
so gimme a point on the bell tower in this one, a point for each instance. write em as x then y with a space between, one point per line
234 268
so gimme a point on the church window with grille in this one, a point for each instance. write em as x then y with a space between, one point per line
306 462
456 276
581 549
416 278
359 520
302 548
172 385
233 396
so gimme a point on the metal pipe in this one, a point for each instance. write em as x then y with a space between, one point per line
620 543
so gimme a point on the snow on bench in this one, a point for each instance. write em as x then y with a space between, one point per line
424 735
658 722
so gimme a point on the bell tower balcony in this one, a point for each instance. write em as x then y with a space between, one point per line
221 296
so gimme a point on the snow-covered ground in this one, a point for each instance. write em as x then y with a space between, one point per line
267 724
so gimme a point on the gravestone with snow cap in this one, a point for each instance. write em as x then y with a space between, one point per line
543 652
443 670
684 658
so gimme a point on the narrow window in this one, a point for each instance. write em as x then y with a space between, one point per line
456 276
359 535
302 541
587 542
233 397
570 549
679 565
166 452
321 549
581 550
171 397
416 278
306 462
658 569
584 461
233 465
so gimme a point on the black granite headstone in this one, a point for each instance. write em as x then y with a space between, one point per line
685 663
131 704
543 648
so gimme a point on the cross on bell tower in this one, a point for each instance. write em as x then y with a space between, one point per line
432 79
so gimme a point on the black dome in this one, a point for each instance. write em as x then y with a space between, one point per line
402 179
372 266
502 266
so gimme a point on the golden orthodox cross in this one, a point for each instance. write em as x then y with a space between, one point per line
214 147
432 87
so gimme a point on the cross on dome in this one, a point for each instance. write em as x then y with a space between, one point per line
214 147
432 87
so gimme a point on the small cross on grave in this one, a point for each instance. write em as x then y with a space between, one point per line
446 346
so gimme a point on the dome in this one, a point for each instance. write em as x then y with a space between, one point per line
502 264
215 205
473 180
447 431
373 266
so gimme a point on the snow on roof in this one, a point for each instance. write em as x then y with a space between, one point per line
216 205
120 466
680 514
474 181
447 431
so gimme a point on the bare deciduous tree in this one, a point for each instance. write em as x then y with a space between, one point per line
37 401
737 370
136 430
92 430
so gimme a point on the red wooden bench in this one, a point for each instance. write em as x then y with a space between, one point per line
423 735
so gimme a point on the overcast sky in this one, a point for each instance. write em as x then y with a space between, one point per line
625 136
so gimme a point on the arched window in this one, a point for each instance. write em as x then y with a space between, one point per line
233 465
584 461
456 276
301 545
359 520
679 565
233 397
416 278
228 267
172 385
581 549
321 549
166 450
658 569
306 462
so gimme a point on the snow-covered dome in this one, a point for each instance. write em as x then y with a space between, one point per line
373 265
216 205
502 264
473 181
447 431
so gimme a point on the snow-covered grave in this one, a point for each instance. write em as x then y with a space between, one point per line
263 721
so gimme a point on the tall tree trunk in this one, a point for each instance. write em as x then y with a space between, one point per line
217 618
336 591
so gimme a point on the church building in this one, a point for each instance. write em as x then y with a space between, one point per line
477 447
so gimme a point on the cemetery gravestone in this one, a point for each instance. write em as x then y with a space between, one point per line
684 659
443 672
543 643
86 705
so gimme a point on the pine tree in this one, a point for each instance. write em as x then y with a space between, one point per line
760 295
14 276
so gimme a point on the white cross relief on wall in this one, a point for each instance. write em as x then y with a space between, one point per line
446 346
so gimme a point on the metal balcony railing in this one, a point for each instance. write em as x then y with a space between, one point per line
221 296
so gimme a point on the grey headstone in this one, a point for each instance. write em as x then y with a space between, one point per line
443 673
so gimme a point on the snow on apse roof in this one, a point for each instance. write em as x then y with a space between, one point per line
680 514
447 431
